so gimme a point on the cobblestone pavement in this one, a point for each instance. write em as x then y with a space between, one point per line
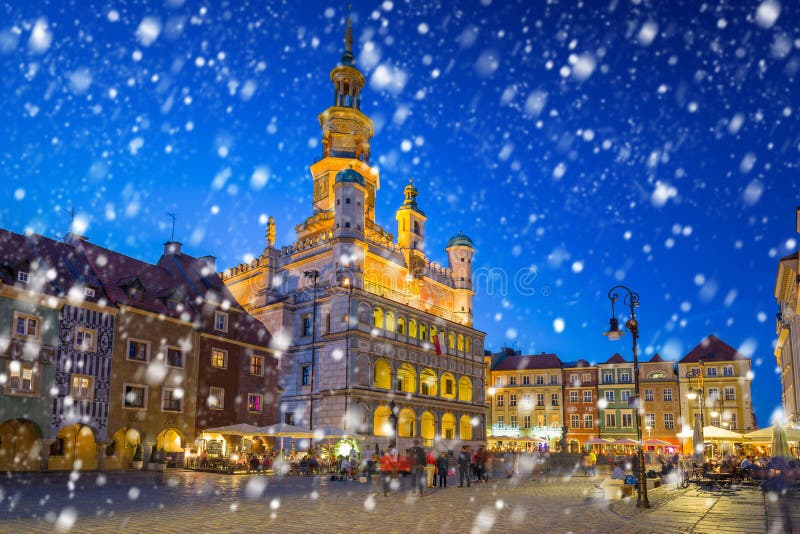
182 501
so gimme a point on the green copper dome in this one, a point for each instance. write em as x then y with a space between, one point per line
460 240
350 176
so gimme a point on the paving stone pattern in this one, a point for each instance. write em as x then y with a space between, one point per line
182 501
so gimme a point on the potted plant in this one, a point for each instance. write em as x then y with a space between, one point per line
162 460
153 464
137 463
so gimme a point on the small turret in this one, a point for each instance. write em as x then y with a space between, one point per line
349 190
460 251
411 221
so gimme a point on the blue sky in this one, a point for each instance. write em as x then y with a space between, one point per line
650 144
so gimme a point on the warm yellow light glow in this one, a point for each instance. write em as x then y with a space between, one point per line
691 396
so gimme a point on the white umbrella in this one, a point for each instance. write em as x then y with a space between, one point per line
716 433
764 435
599 441
780 447
657 442
240 429
282 430
332 432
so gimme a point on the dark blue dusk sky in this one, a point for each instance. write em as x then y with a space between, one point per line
580 145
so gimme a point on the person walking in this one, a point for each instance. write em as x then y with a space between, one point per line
464 460
592 463
418 463
388 471
430 468
441 469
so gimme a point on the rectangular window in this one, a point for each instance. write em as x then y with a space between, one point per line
608 378
305 376
730 394
587 396
540 399
513 421
512 400
22 276
498 381
526 421
553 379
449 387
501 401
539 380
648 394
138 351
81 387
588 420
669 421
713 394
175 357
221 321
256 365
539 420
609 396
624 395
526 380
587 377
727 371
219 358
668 394
85 339
512 380
306 326
501 421
611 420
89 292
554 399
575 421
216 398
253 402
574 379
574 396
26 326
20 377
732 419
172 400
625 377
650 420
135 396
711 371
627 420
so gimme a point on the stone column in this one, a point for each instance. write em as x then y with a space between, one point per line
101 455
44 453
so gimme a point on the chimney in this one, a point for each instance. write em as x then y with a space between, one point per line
72 239
211 261
172 247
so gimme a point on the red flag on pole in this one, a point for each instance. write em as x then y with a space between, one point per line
436 345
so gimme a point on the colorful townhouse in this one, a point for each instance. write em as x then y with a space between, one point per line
580 403
658 382
615 391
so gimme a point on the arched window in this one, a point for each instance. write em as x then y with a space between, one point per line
363 314
401 326
460 342
448 386
412 328
427 426
377 318
433 332
423 330
406 379
382 375
466 428
406 423
389 322
468 345
464 389
381 424
657 374
448 426
427 382
451 340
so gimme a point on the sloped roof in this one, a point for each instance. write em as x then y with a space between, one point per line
536 361
656 359
617 358
712 349
576 364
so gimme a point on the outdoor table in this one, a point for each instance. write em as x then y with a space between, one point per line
719 481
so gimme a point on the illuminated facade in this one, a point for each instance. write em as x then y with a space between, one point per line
526 398
787 327
658 384
726 379
363 318
615 388
580 403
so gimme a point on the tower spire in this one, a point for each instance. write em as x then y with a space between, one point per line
347 57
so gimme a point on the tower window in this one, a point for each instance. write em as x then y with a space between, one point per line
347 225
347 201
416 227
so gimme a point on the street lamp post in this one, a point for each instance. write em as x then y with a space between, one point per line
393 422
631 299
313 274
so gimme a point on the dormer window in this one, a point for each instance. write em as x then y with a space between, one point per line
22 276
89 292
133 288
221 321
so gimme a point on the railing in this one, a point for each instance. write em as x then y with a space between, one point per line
408 300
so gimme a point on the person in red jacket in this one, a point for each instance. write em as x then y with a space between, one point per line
430 468
388 471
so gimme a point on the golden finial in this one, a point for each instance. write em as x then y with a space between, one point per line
271 233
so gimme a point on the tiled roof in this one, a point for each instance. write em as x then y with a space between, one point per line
617 358
712 349
656 359
792 256
536 361
579 363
